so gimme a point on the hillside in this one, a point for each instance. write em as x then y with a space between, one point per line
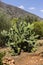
14 11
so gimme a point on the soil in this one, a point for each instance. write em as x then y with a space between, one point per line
24 59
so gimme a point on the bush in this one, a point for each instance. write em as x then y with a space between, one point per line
21 37
38 28
4 38
31 19
5 24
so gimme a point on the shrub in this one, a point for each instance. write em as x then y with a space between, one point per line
21 37
5 24
38 28
4 38
31 19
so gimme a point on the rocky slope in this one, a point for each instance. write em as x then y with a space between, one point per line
14 11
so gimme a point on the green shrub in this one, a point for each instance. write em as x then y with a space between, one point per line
31 19
5 24
21 36
4 37
38 28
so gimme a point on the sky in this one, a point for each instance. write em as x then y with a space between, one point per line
32 6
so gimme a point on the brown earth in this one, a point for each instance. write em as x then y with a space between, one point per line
24 58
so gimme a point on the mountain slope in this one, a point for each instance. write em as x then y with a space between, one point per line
13 11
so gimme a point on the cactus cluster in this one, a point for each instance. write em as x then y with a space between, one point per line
21 36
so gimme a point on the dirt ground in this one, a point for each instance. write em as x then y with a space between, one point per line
24 58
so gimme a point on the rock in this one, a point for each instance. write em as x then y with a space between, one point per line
9 61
